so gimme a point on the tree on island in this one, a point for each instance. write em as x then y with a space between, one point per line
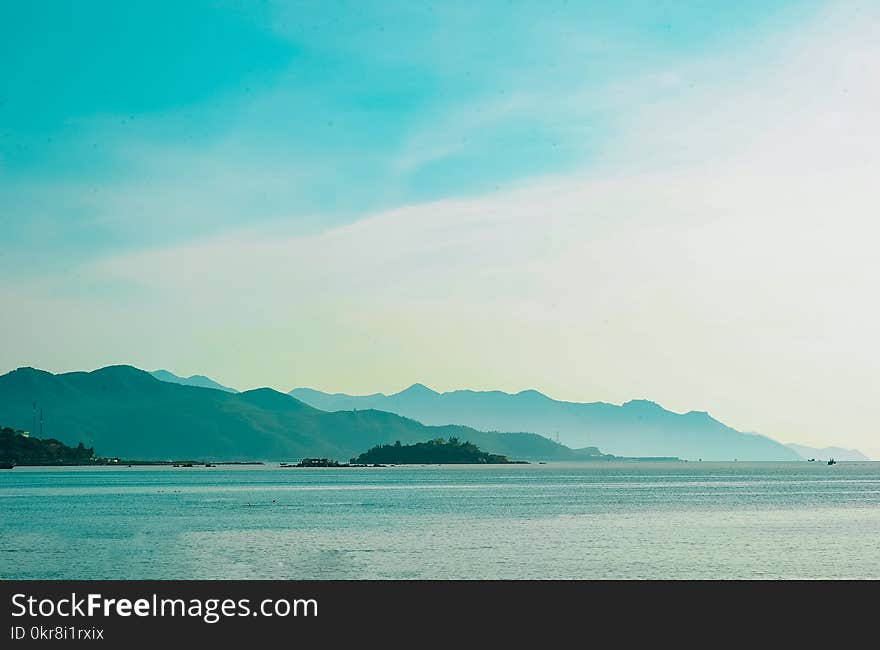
17 448
439 450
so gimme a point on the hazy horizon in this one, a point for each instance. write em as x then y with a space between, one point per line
601 203
518 426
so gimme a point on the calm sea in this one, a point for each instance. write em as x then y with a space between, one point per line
602 520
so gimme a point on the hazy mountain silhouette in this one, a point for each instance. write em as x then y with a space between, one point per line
126 412
195 380
824 453
637 428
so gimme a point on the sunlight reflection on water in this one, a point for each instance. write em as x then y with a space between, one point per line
735 520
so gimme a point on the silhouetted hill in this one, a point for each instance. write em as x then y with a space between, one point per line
195 380
126 412
824 453
437 451
19 449
637 428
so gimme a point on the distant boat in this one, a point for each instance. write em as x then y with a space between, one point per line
831 461
7 465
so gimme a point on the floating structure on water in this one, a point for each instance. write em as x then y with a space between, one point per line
325 462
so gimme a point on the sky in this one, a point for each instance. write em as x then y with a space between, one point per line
601 201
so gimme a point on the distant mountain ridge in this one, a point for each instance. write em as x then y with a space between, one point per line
824 453
126 412
194 380
158 415
636 428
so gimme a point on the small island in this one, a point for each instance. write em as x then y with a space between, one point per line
16 448
435 451
315 462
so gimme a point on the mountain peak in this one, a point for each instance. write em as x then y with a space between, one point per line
272 399
418 389
119 372
30 370
200 381
531 393
119 369
117 375
643 404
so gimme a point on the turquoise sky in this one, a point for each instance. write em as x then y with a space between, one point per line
653 199
308 114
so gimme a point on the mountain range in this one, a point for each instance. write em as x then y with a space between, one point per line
636 428
824 453
193 380
126 412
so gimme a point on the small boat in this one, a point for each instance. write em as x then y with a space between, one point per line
831 461
7 465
